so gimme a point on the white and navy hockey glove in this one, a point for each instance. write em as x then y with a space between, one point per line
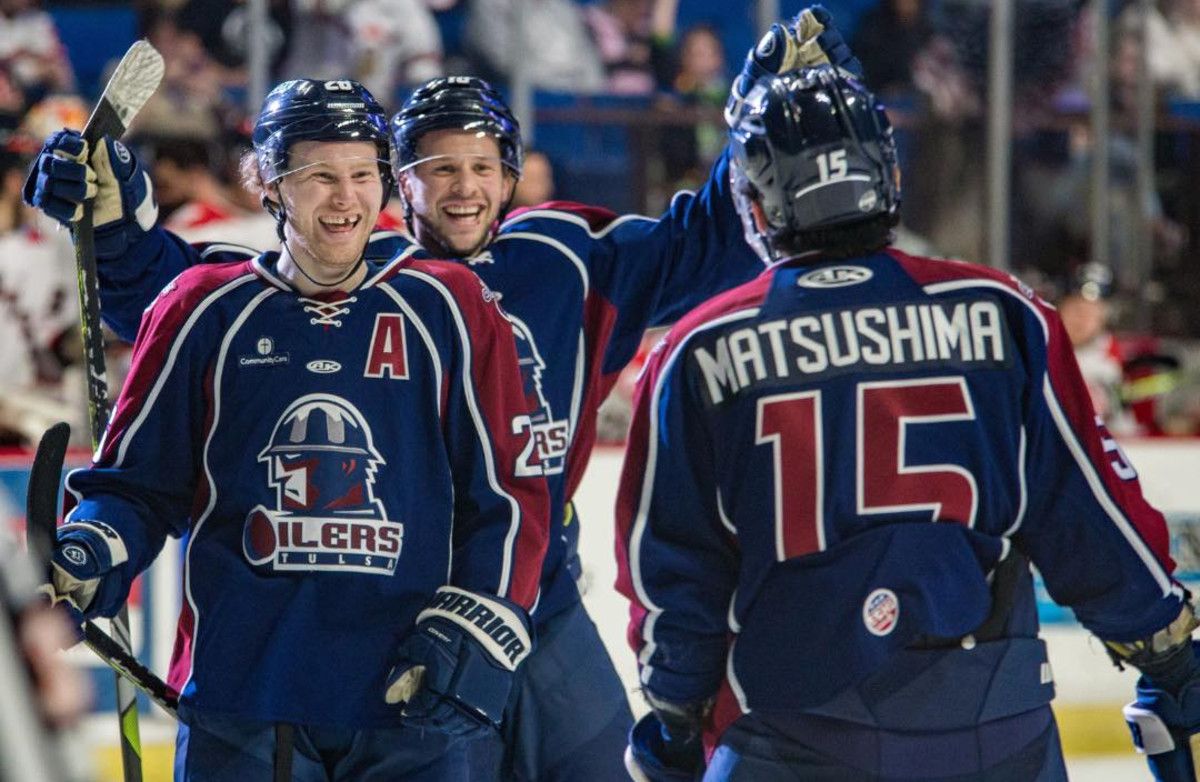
665 745
64 175
1165 717
809 39
82 569
465 648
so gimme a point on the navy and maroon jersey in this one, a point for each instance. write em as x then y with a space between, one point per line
826 462
335 460
580 286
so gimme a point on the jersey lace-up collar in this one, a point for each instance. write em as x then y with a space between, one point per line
326 313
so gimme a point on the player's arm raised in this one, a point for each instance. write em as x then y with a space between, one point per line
476 630
653 271
135 258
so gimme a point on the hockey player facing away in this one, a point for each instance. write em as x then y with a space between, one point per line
332 432
837 477
580 286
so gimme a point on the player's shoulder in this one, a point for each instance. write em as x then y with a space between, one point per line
561 218
189 296
451 281
733 305
196 283
950 273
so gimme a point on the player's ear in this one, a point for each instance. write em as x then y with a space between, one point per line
404 185
510 185
760 217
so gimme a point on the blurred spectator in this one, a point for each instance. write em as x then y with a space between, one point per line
224 30
888 39
31 51
547 37
1173 37
1085 312
194 204
382 43
1050 192
189 99
612 424
536 185
621 32
699 80
38 313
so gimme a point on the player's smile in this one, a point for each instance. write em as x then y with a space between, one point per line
332 199
456 190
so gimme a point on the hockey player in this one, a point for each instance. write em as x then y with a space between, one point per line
333 435
580 285
837 476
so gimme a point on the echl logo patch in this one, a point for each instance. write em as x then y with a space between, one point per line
321 460
881 612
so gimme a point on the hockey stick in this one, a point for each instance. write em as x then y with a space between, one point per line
135 79
41 519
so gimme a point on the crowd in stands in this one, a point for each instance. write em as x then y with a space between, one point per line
928 59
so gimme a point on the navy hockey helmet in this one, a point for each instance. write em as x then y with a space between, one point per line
815 150
457 103
312 110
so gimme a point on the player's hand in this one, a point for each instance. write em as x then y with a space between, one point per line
66 173
60 179
463 651
656 753
83 575
1166 726
809 39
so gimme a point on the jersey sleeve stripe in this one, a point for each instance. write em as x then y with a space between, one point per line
648 443
210 488
502 588
1067 431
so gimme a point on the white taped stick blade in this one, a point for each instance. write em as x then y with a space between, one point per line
133 82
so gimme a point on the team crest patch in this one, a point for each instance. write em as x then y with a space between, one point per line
321 461
835 277
881 612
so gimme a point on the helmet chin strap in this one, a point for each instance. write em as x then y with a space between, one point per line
280 214
296 261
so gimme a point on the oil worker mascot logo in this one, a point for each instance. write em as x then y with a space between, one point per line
321 461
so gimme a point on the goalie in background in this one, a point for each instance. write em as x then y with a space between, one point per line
361 556
837 477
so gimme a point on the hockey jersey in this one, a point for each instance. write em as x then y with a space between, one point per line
335 460
580 286
826 463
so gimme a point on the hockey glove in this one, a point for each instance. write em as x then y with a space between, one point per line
1165 717
465 648
82 569
809 39
665 745
60 181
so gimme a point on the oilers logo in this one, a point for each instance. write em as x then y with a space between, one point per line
321 461
546 448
